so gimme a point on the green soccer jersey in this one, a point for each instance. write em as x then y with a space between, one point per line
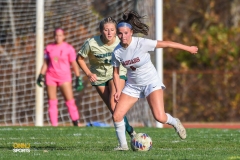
100 56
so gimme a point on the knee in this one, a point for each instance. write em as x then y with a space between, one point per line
117 117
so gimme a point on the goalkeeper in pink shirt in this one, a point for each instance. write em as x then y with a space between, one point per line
58 58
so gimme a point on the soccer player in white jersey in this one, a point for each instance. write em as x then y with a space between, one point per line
99 51
142 77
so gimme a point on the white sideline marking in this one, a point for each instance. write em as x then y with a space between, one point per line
77 134
5 129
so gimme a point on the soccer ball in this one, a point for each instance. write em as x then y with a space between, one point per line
141 142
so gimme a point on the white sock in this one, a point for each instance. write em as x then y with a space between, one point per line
120 131
170 120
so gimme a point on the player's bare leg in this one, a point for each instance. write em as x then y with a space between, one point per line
113 103
156 103
103 92
125 103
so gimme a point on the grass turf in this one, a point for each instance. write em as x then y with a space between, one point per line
98 143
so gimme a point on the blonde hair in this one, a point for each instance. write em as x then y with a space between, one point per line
106 20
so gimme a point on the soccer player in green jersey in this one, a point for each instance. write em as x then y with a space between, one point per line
99 51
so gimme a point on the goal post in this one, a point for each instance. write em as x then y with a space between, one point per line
159 36
39 99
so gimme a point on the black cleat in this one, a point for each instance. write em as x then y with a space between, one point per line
75 123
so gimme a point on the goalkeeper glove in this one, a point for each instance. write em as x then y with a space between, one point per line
40 79
79 84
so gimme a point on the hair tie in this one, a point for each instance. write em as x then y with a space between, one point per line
124 24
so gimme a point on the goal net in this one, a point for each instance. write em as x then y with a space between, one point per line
80 19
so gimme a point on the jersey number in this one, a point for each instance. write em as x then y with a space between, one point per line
133 68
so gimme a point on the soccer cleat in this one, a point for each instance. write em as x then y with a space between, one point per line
75 123
179 128
132 134
119 148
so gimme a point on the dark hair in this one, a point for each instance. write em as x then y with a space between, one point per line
106 20
133 18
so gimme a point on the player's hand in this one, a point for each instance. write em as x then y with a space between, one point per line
40 80
92 77
79 84
117 96
193 49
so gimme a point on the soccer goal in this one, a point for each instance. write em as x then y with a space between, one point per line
80 20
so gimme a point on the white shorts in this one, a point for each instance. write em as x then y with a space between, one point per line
142 91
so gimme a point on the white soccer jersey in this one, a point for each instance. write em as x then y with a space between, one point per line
140 70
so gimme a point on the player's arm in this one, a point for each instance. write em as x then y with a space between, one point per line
165 44
79 83
41 75
116 81
81 62
75 68
44 67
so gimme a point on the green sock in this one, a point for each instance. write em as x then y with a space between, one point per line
129 128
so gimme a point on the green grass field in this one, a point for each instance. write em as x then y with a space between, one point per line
97 143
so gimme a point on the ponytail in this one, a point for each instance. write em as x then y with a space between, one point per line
133 18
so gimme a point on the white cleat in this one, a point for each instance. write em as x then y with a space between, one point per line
180 129
119 148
